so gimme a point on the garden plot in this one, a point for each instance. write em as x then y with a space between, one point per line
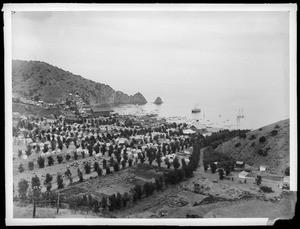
121 181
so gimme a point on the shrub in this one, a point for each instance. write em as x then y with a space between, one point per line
41 162
176 164
60 181
99 171
96 166
50 160
287 171
107 170
252 137
75 156
21 168
87 168
262 139
68 157
30 165
277 127
22 188
266 189
213 167
238 144
260 129
59 159
252 144
274 132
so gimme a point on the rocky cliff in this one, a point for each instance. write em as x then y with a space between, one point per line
36 79
158 100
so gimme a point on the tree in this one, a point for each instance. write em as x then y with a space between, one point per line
142 159
50 160
221 174
118 201
21 168
139 192
176 164
79 173
59 159
104 164
158 184
112 202
104 202
87 168
99 172
60 181
96 166
213 167
107 170
41 162
262 139
68 157
125 199
96 206
116 167
22 188
48 181
123 164
69 175
158 159
258 180
130 162
82 154
205 166
30 165
287 171
75 155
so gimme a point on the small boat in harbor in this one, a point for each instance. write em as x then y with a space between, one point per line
196 110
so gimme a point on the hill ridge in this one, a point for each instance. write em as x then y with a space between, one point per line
53 84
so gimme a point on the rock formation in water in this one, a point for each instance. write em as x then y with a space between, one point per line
158 101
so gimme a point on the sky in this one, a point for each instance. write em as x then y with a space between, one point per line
224 56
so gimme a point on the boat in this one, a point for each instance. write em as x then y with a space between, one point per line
196 110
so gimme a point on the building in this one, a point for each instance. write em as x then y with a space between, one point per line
243 175
198 127
240 164
262 168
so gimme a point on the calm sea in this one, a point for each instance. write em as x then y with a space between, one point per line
215 112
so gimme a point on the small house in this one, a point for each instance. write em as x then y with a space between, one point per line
240 164
262 168
243 175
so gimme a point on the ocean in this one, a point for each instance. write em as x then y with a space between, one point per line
220 114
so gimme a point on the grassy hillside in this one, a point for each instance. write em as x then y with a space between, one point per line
273 152
51 84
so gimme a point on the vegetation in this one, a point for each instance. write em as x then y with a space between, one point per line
266 189
22 188
41 162
274 132
21 168
30 165
60 181
262 139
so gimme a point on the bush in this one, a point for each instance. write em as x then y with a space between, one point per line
287 171
50 160
262 139
277 127
252 137
41 162
21 168
260 129
30 165
87 168
68 157
252 144
59 159
60 181
274 132
266 189
238 144
22 188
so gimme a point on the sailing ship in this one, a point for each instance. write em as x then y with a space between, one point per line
196 110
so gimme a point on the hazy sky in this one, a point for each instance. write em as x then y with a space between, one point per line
227 54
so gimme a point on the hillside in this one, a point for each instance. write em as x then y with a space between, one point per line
274 152
52 84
